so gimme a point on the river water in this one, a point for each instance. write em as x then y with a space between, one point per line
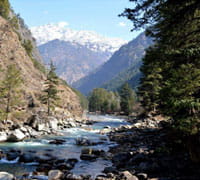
67 150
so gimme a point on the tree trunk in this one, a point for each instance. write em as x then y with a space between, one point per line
8 105
48 104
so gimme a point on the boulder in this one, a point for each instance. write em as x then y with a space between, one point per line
34 120
53 123
74 177
6 176
26 158
72 124
41 127
3 136
128 176
55 175
142 176
110 169
16 135
47 158
33 133
57 141
91 154
83 141
12 156
24 129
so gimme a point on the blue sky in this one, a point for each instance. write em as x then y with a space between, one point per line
96 15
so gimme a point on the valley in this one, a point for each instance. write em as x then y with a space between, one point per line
99 90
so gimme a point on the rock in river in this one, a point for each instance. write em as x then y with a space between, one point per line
55 175
16 135
6 176
3 136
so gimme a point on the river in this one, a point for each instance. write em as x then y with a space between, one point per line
67 150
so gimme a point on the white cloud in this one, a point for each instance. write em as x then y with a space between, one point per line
122 24
63 24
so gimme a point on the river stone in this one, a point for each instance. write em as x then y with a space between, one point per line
16 135
57 141
53 123
41 127
6 176
27 158
74 177
128 176
12 156
3 136
83 142
142 176
55 175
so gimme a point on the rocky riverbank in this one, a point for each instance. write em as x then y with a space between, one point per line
145 151
37 126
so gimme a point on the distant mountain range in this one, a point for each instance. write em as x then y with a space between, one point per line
73 61
122 67
75 53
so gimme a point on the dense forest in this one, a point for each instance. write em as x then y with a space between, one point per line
111 102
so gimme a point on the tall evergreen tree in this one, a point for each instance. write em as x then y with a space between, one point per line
50 96
127 99
10 89
151 84
173 62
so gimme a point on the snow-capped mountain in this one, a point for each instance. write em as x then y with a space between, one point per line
89 39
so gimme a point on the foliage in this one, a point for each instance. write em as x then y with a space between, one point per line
171 69
104 101
50 96
14 22
38 65
130 75
27 44
83 100
127 99
4 8
9 89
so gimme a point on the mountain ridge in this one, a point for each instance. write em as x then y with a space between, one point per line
90 39
127 56
73 61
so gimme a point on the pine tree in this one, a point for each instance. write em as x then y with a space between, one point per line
171 68
151 83
10 89
4 8
50 96
127 99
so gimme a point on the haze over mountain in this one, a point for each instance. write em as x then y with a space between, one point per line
75 53
123 66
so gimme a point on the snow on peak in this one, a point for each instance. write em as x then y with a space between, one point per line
90 39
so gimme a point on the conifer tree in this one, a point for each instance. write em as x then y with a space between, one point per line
4 8
175 56
127 99
10 89
105 101
50 96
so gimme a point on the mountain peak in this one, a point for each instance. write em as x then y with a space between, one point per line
90 39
